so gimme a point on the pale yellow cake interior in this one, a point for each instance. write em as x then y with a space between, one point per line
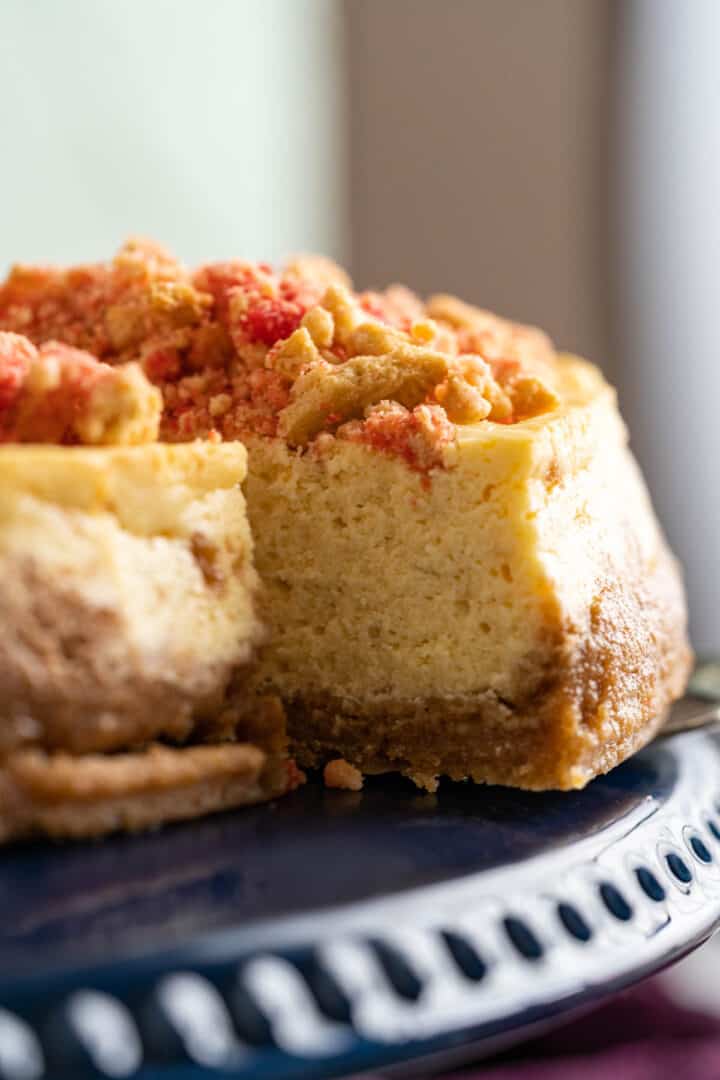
124 528
385 588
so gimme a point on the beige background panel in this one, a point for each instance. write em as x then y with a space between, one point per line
479 154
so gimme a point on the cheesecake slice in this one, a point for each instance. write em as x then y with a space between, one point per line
127 607
462 574
126 591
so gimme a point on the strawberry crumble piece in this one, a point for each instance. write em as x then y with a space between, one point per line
58 394
16 357
422 436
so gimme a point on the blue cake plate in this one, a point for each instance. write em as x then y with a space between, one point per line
334 933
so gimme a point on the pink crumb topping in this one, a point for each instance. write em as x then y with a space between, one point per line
59 394
220 344
419 436
16 356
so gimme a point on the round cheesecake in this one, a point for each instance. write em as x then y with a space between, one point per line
461 571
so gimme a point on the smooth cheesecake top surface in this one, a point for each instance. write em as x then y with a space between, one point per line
146 488
142 348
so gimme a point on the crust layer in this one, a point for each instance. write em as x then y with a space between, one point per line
63 796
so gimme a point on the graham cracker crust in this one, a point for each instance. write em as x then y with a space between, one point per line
62 795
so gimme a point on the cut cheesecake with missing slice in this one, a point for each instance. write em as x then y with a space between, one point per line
127 601
461 571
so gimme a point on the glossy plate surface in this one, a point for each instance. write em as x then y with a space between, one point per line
336 932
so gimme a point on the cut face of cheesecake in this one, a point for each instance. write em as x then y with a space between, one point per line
461 571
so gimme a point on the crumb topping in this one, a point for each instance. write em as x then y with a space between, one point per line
238 349
423 437
59 394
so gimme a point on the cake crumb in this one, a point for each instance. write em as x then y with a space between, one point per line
339 773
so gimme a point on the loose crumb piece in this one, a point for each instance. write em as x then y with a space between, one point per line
59 394
341 774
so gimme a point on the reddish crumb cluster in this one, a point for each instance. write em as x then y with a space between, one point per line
397 306
419 436
268 319
59 394
201 338
77 305
16 356
226 345
257 306
43 391
218 400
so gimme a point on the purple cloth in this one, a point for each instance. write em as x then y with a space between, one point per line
637 1035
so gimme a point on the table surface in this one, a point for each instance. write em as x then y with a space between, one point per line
336 931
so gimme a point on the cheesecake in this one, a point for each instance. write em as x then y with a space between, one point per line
127 601
461 571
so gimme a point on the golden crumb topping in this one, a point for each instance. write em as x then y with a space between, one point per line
238 349
59 394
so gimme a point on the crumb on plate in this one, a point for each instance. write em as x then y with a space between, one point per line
339 773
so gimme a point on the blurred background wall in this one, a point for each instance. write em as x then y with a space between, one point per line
479 155
555 160
666 270
215 127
